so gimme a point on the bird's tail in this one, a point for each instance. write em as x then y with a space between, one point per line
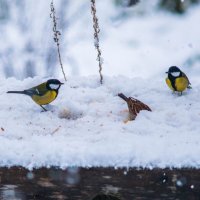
17 92
123 97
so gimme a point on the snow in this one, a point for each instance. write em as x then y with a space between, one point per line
85 124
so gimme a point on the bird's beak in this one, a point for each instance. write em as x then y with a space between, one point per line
61 83
167 72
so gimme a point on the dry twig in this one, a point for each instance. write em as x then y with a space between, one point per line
96 38
56 36
57 129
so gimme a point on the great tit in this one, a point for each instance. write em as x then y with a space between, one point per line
44 93
177 80
134 106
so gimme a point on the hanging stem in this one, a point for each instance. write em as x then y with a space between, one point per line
56 36
96 38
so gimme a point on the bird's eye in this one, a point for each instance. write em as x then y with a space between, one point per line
54 86
175 74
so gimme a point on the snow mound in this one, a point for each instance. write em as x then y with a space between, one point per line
85 125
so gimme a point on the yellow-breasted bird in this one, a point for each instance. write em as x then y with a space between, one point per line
177 80
44 93
134 106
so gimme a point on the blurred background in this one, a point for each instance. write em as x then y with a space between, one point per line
136 40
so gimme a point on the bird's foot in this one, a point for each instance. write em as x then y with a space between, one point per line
44 109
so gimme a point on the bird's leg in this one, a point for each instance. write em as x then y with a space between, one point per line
43 108
179 94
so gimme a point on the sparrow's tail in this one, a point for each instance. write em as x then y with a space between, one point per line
123 97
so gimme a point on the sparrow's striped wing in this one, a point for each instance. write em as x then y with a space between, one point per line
135 106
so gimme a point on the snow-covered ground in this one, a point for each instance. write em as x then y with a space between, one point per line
84 125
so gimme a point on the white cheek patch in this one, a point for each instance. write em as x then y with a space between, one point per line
175 74
54 86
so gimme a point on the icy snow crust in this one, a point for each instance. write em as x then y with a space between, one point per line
84 125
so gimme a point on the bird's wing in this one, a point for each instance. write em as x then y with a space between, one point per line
39 90
137 105
186 78
189 84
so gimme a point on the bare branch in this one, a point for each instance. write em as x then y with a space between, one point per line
96 38
56 36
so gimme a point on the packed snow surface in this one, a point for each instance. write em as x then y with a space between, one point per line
85 125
